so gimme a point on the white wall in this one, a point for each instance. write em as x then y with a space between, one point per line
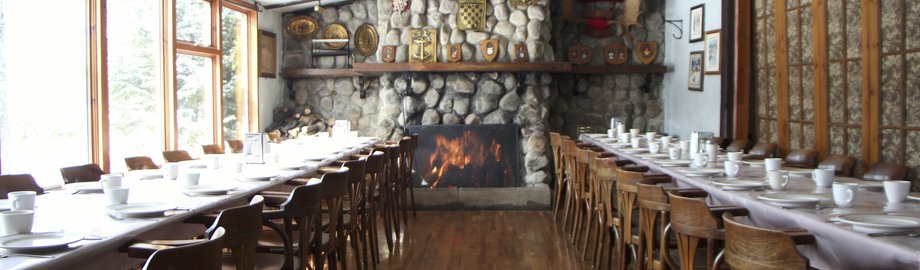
685 110
270 89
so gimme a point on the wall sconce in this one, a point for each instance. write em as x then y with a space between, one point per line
680 27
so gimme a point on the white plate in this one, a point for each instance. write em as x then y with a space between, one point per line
4 205
84 187
632 150
38 241
791 199
145 174
739 184
797 170
620 145
757 163
912 196
293 166
256 177
608 140
193 164
880 223
133 210
700 171
209 189
652 156
317 157
673 163
595 135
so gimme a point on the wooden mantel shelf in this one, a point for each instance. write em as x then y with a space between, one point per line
373 68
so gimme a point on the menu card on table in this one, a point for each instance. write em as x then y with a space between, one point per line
253 148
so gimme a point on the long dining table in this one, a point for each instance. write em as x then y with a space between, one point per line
837 246
69 212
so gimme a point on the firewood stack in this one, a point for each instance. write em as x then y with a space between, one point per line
298 122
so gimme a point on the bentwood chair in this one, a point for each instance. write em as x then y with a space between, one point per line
274 137
140 163
373 170
627 193
212 149
763 150
205 255
83 173
753 248
654 224
802 158
292 220
236 146
329 243
737 146
176 156
884 171
694 221
555 141
609 221
18 182
842 165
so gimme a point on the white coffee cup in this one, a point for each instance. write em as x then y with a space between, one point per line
653 147
666 142
171 170
674 153
22 200
712 151
845 194
772 164
111 180
650 136
610 133
117 195
190 177
735 156
685 146
17 221
896 190
212 161
624 138
235 167
732 168
823 177
777 180
636 141
699 159
634 132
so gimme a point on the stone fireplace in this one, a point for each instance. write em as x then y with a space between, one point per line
454 156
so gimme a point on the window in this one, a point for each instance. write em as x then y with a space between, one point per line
234 73
194 114
44 121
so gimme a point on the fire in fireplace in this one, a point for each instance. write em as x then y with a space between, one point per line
452 156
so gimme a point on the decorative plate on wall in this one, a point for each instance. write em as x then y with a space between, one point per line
366 39
335 31
301 27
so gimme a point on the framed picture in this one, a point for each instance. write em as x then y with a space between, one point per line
695 82
267 54
713 49
696 23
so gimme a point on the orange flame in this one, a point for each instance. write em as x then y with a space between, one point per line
455 155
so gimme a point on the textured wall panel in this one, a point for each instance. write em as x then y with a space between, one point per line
890 33
854 92
912 89
891 90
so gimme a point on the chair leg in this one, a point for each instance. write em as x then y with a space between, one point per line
589 227
372 235
557 199
687 246
387 228
565 215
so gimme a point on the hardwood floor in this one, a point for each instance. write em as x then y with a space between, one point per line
482 240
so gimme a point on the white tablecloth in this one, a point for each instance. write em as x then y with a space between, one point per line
838 246
85 213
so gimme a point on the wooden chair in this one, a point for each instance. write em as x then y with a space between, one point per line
404 178
387 192
654 224
293 222
274 136
569 149
587 158
176 156
802 158
409 169
373 170
200 256
236 146
763 150
692 221
83 173
884 171
606 175
140 163
627 192
555 141
842 165
330 241
752 248
737 146
212 149
18 182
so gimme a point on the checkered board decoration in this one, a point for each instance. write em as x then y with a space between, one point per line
472 15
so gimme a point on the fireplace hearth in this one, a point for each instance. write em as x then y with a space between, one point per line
457 156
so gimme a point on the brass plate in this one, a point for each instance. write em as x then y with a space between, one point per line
301 27
616 54
366 40
472 15
490 49
647 51
523 3
423 45
335 31
454 53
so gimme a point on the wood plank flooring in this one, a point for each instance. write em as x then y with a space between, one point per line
482 240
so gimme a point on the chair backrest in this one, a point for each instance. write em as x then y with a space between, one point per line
802 158
83 173
763 150
274 136
884 171
750 247
18 182
243 226
212 149
305 200
140 163
842 165
651 195
691 216
737 146
176 156
236 146
205 255
335 183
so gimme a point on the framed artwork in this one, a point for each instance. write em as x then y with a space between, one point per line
695 81
696 23
713 49
267 54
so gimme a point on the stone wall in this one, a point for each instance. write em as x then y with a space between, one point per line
591 100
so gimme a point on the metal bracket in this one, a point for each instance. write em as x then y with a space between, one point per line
362 87
522 84
679 27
